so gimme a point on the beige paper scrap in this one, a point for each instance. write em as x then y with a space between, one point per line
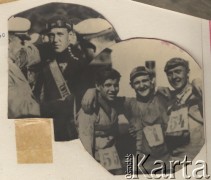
33 141
6 1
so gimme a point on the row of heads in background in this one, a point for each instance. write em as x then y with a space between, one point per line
85 29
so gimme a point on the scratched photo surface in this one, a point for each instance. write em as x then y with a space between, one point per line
123 99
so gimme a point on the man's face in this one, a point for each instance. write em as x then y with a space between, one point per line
109 89
178 77
142 85
59 39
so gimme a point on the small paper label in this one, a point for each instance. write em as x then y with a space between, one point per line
178 121
109 158
154 135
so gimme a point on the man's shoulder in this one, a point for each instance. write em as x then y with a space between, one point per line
195 93
162 100
160 96
86 116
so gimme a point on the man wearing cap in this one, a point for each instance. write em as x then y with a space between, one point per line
146 114
185 131
60 77
21 101
147 117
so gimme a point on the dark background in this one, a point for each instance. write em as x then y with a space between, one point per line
40 15
198 8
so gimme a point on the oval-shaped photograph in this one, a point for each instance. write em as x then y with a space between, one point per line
146 106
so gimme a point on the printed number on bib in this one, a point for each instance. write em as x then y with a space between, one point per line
178 121
154 135
109 158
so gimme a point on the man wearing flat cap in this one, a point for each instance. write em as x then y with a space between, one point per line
185 131
61 66
21 101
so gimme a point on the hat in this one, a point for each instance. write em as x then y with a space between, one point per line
59 22
174 62
93 27
19 26
140 70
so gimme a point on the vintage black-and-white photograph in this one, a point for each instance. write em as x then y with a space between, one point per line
140 97
148 104
50 49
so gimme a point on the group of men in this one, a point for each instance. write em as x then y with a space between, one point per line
166 124
50 79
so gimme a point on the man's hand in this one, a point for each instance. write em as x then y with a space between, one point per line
132 131
165 91
89 102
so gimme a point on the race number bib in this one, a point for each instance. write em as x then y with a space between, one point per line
178 121
109 158
154 135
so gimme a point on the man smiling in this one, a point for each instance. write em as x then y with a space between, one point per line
141 82
147 117
178 75
146 114
98 131
185 132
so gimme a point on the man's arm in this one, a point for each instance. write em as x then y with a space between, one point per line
197 85
89 101
86 130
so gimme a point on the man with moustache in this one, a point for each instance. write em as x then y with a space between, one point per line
185 131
